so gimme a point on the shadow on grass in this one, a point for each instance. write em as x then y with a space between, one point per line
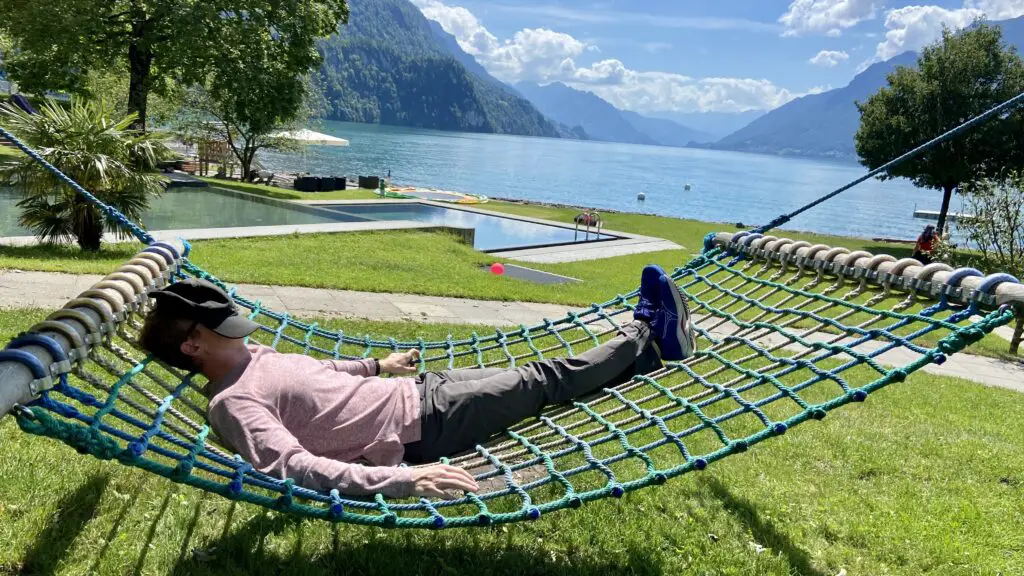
141 562
73 512
243 551
116 526
764 532
191 529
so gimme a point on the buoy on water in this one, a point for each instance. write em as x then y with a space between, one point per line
686 187
641 196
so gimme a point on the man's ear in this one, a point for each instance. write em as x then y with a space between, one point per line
189 347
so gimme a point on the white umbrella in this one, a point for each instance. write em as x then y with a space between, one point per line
307 136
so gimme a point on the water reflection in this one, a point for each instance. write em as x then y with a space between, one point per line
492 232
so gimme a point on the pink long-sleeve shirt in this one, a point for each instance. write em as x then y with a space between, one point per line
293 416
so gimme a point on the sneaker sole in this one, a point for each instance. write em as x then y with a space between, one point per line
685 338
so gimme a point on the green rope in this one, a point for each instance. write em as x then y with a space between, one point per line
555 437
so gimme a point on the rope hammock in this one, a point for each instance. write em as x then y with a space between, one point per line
787 333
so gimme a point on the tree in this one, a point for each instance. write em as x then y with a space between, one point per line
996 229
58 42
959 77
5 46
247 100
242 118
96 149
112 86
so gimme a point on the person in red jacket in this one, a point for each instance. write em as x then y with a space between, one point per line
925 246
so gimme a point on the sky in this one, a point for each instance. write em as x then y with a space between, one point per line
690 56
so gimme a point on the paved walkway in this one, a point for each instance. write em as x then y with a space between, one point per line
48 290
981 369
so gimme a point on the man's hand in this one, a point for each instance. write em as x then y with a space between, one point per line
400 363
440 480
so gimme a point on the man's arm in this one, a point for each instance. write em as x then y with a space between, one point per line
394 364
366 367
264 441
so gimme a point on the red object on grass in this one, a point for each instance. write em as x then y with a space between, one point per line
498 268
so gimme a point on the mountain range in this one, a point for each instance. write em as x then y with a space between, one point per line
572 107
818 124
824 124
602 121
391 65
715 124
388 66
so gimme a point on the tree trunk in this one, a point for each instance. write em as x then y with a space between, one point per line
140 62
89 228
947 193
247 157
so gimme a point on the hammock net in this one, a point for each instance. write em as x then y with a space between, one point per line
778 346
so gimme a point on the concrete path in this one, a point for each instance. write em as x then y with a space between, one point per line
52 290
980 369
48 290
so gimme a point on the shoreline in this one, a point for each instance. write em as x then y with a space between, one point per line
733 225
724 226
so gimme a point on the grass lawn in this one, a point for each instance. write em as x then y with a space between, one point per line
286 194
925 477
400 261
424 263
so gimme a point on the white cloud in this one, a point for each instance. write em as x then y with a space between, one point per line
827 17
461 23
829 58
665 91
997 9
545 56
532 53
914 27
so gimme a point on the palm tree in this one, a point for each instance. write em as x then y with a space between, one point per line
96 149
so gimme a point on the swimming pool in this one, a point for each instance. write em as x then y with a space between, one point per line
186 208
492 232
191 208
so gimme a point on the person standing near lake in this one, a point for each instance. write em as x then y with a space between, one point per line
925 246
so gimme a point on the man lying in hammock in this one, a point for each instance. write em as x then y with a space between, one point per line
339 424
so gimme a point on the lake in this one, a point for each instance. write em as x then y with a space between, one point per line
724 186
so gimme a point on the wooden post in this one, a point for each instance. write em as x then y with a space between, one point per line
1018 333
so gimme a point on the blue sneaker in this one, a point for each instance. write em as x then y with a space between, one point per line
649 303
677 339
